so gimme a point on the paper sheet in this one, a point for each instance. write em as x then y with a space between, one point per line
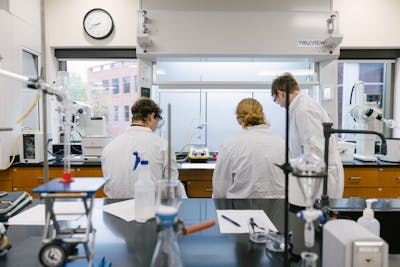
123 209
36 214
242 217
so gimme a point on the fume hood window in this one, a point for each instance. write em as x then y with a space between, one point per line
255 70
96 83
204 95
375 76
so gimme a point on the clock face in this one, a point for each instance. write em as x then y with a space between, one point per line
98 23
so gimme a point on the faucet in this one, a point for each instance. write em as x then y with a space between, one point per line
328 130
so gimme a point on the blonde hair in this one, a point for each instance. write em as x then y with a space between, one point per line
250 112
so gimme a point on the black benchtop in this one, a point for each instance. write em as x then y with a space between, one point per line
350 164
379 163
59 164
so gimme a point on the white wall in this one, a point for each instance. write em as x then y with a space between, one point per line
18 30
369 23
64 20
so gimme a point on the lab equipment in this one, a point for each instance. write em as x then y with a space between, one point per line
63 81
198 151
309 170
346 150
92 147
32 147
168 201
348 244
60 239
364 117
393 150
166 252
199 154
368 220
274 241
145 192
328 131
309 259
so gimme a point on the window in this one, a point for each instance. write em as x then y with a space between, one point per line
126 113
90 83
374 75
127 84
106 87
30 67
135 83
115 113
115 83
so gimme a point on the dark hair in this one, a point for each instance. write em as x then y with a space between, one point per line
281 82
143 107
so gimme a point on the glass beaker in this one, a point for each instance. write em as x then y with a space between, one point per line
168 193
309 259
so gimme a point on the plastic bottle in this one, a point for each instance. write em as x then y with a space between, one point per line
368 220
145 192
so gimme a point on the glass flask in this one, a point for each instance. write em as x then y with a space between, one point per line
309 170
168 201
309 259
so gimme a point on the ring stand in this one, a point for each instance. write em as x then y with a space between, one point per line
59 242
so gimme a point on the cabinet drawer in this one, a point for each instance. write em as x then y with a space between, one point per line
195 174
199 188
390 192
360 177
27 177
389 177
363 192
88 172
5 181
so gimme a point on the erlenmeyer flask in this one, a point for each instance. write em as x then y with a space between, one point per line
309 170
168 201
166 252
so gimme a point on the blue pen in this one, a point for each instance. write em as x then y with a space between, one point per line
230 220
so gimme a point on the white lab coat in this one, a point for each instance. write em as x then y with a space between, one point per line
245 165
117 160
305 127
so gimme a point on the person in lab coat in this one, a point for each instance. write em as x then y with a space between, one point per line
118 159
305 129
245 166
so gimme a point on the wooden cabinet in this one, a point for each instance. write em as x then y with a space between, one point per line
27 178
198 181
5 181
372 182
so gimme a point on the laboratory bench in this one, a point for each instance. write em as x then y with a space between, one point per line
361 179
132 244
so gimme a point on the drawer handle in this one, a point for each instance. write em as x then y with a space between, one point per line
355 178
208 190
40 178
